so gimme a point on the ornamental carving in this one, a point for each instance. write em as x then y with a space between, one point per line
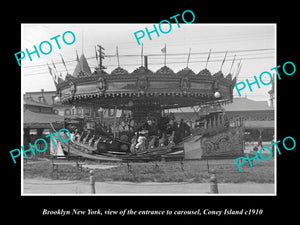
119 71
72 88
204 72
229 76
215 85
228 143
142 70
142 83
186 71
165 70
101 85
185 84
219 75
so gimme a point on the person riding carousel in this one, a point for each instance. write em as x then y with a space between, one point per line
141 141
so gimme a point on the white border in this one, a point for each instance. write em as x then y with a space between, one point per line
151 194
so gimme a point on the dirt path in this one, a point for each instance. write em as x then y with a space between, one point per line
43 186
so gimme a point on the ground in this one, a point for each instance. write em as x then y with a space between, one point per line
189 176
63 187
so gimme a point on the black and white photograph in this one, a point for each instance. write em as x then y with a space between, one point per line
150 112
144 109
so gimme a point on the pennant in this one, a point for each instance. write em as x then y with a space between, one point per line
164 49
52 73
50 70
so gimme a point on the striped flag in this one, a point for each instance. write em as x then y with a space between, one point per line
54 77
54 72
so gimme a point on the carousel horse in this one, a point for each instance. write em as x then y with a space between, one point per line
85 138
97 141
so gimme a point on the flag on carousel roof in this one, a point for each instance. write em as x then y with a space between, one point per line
164 49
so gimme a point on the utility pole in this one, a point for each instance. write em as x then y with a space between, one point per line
101 57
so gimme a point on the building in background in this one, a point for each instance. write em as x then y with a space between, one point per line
37 120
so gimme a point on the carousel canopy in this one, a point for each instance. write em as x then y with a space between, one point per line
163 89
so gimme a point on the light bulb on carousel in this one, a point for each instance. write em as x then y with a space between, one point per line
57 99
217 94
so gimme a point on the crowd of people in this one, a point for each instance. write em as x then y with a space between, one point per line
158 132
153 131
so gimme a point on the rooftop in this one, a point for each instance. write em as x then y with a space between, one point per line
32 118
245 104
30 101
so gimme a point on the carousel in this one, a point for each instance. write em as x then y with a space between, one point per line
145 127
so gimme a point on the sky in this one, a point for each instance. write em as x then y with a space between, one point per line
253 44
